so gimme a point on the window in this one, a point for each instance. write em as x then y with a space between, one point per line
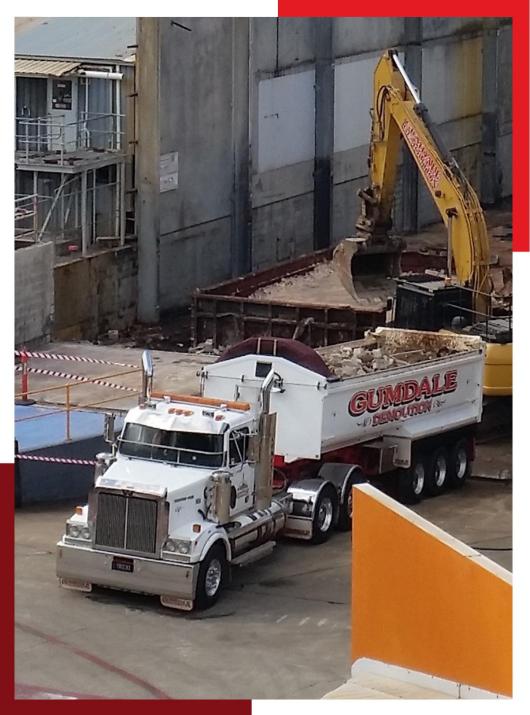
196 449
263 369
238 446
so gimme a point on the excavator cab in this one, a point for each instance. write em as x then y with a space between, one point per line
427 302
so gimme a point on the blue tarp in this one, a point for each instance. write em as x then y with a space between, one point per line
50 428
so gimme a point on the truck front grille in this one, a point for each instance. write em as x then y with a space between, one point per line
126 523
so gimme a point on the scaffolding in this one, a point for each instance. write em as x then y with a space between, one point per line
70 181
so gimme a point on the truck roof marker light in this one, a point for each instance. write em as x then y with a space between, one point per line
79 510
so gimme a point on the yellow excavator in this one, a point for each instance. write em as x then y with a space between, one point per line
368 264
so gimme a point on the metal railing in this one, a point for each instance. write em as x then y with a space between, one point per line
37 136
493 327
26 217
67 406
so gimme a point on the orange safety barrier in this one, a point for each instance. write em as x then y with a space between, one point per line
424 601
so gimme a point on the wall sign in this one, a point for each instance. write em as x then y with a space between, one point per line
62 94
169 171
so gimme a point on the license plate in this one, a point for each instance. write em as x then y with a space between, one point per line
119 563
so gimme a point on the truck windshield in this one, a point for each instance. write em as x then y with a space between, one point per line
191 448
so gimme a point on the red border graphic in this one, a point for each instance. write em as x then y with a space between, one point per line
519 12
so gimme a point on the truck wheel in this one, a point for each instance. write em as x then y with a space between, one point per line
325 515
437 475
459 464
211 578
411 481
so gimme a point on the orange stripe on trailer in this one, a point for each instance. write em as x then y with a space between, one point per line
425 601
206 401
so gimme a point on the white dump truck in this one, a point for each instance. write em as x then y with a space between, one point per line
271 447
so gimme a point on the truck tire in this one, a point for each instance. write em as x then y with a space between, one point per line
211 578
324 515
437 472
411 481
459 464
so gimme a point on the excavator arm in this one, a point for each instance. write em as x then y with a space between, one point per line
398 114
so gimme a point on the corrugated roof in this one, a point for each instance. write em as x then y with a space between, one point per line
88 38
45 68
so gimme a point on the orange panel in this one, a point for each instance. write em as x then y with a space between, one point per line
419 602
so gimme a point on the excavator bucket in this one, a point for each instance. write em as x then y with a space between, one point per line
366 269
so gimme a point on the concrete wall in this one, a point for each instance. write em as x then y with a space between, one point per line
34 293
95 294
263 143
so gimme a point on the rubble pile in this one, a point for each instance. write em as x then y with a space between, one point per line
356 361
348 361
319 285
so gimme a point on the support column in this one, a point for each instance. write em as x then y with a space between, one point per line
148 168
409 170
84 226
241 249
489 184
324 131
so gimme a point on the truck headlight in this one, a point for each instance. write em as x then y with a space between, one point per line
73 531
77 531
179 546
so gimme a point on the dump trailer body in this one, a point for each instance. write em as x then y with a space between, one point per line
417 384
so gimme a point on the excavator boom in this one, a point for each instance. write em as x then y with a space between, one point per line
367 262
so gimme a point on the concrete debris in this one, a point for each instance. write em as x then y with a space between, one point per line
354 361
349 361
319 286
503 232
205 348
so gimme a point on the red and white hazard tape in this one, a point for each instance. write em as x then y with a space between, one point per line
57 460
79 378
73 358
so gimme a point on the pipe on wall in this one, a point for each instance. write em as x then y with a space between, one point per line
95 74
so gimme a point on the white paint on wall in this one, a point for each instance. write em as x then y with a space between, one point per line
286 120
353 101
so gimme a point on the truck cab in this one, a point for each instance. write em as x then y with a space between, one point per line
186 492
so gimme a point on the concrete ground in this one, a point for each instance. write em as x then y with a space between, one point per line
174 372
281 630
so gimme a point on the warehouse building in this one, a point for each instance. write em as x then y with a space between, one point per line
74 163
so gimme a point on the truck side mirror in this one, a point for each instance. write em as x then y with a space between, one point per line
108 432
147 376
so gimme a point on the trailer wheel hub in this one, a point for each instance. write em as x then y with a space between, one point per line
325 514
418 479
461 463
440 471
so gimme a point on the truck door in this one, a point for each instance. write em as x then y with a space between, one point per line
242 474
